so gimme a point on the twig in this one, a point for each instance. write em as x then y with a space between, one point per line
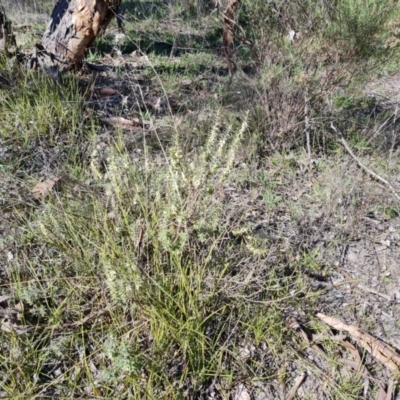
307 127
390 390
362 166
362 287
300 379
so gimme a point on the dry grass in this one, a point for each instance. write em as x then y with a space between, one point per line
184 257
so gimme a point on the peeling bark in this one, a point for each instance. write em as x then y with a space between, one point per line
73 28
229 25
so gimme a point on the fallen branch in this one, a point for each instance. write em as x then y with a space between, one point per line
362 166
377 348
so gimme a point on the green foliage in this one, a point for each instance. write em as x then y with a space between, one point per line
150 241
34 105
356 25
343 101
360 25
335 45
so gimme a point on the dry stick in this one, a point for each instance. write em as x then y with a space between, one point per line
300 379
362 287
390 390
375 292
307 127
362 166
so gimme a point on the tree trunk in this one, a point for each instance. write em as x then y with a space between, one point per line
73 27
8 45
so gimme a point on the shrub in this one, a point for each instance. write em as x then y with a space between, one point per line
335 44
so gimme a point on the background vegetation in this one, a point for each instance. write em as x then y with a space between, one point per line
168 258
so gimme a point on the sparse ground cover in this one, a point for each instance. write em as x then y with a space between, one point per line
189 224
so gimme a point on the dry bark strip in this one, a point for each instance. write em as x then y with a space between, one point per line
357 363
377 348
73 28
229 24
134 124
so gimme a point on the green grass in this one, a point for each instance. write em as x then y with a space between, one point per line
168 263
154 252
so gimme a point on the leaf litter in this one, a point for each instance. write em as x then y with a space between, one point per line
43 189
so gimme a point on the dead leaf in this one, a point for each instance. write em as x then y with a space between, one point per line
7 326
43 189
357 366
382 351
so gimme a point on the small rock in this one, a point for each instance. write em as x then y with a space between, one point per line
352 257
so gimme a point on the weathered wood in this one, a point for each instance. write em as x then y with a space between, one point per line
73 28
229 25
8 44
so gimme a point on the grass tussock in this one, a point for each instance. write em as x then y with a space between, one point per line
35 107
186 258
152 261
